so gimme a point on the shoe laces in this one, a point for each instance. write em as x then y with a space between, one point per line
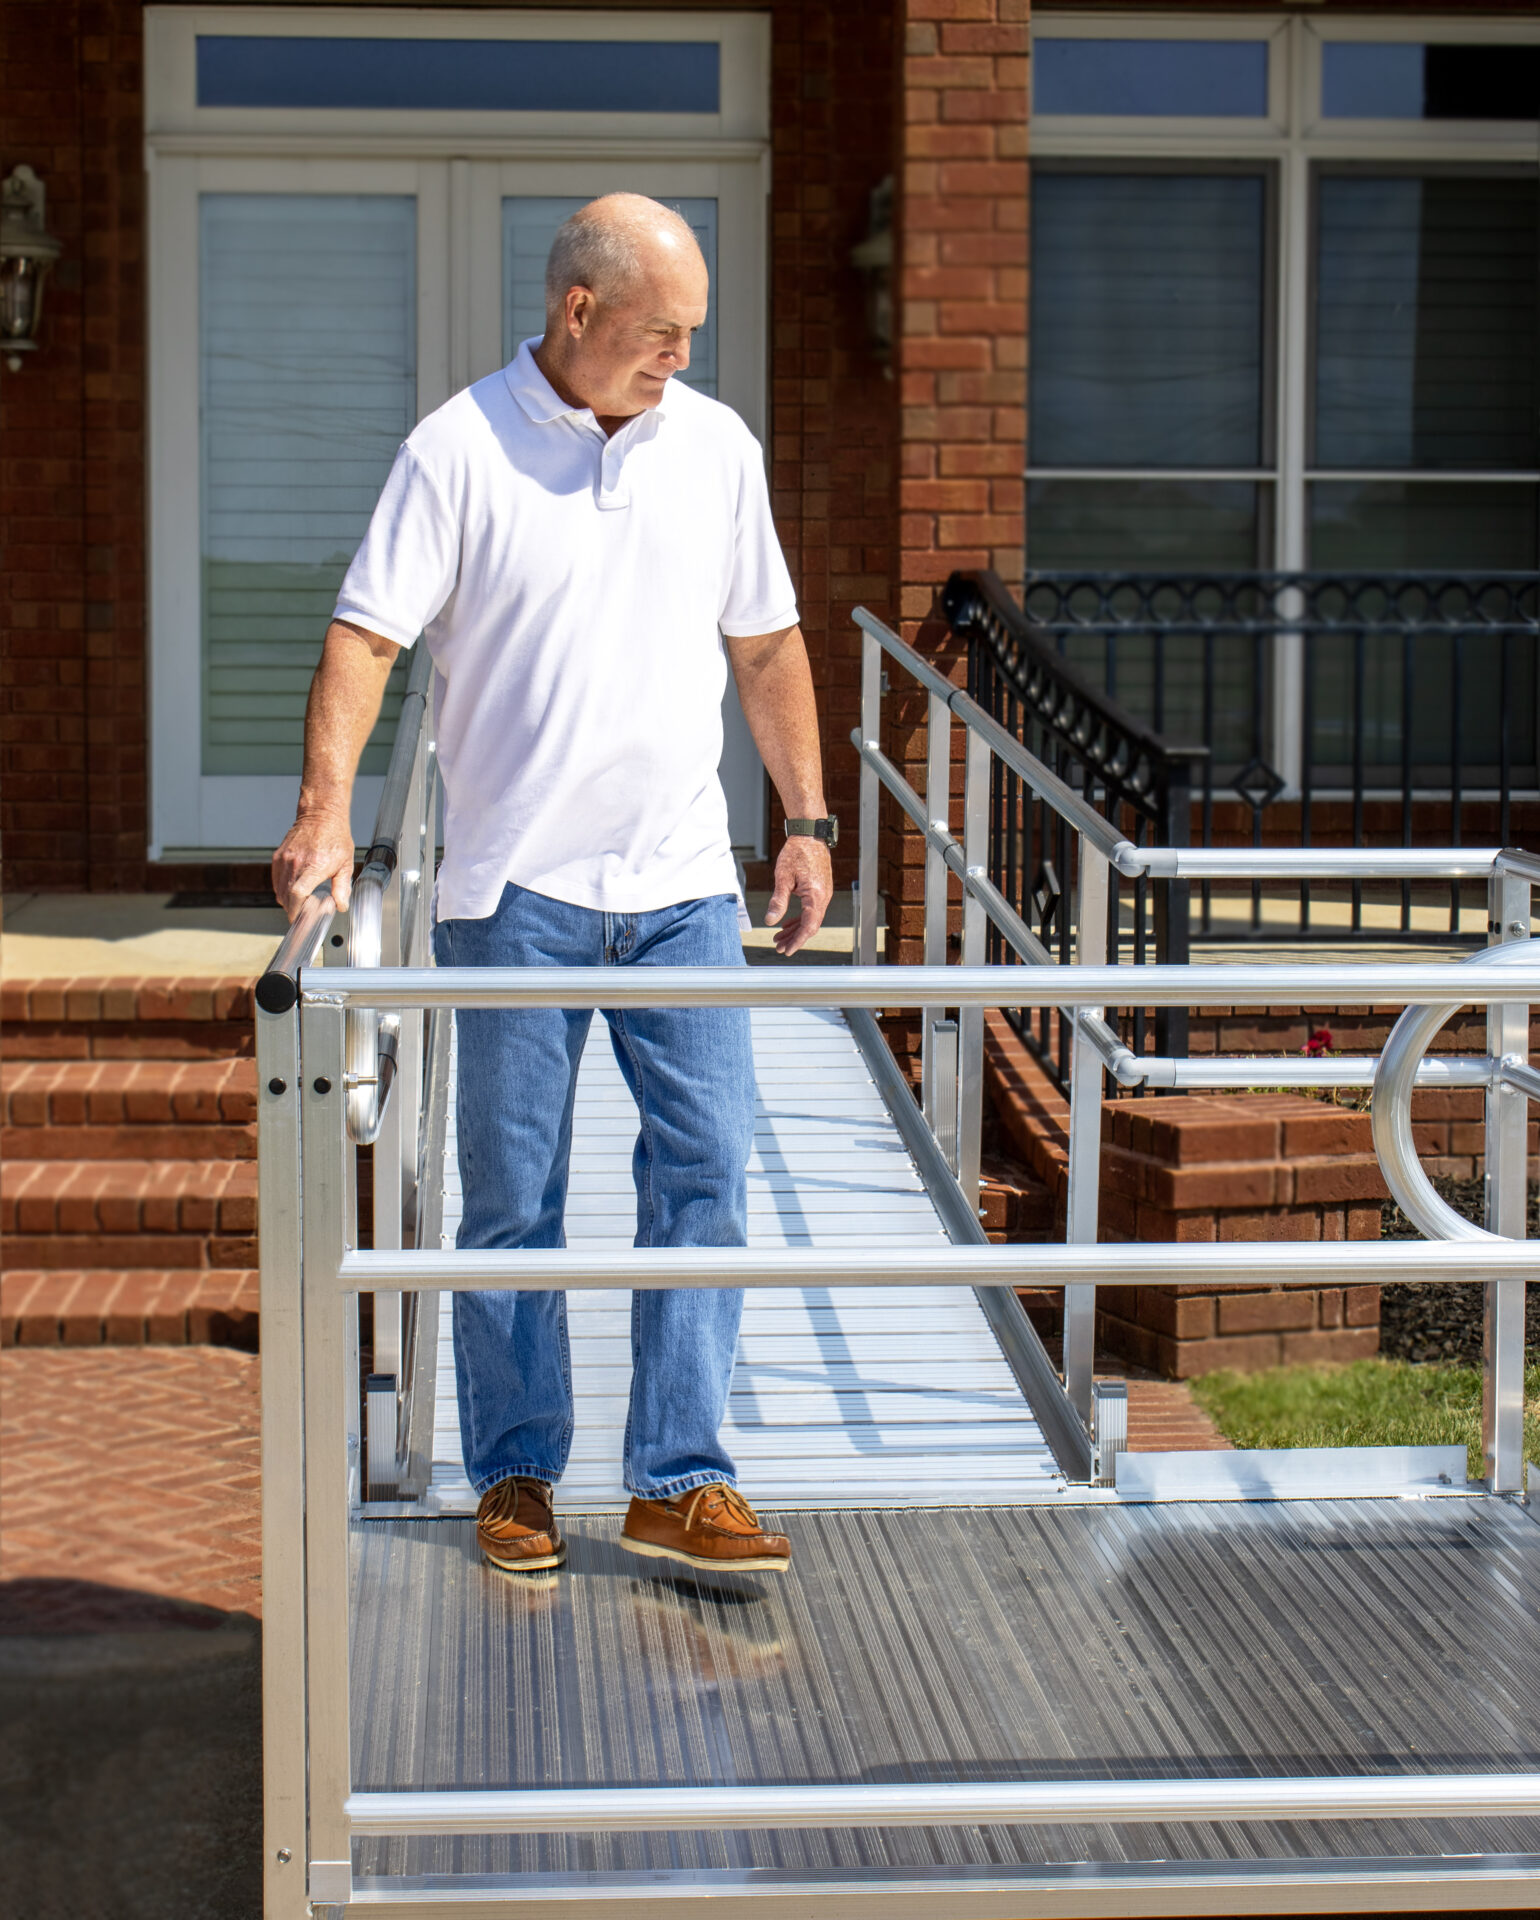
504 1501
729 1497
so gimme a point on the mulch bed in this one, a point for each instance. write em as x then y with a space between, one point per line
1435 1320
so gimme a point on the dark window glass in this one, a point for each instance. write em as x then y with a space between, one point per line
1223 78
1147 320
1400 525
1463 693
1129 526
508 76
1426 322
1363 80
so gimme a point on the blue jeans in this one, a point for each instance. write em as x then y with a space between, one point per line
691 1072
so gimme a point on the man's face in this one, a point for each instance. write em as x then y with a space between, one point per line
625 351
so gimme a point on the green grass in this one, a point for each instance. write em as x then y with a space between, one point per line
1369 1403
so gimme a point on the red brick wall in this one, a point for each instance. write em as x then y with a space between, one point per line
73 747
72 732
961 353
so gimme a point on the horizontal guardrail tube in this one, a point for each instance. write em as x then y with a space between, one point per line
1448 985
1148 1263
1428 1796
1318 863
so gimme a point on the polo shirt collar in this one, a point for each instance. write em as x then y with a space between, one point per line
539 398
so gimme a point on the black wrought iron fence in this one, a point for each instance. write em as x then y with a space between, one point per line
1318 709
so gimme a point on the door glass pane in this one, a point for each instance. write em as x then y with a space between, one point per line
507 76
529 226
1147 320
308 378
1426 316
1380 80
1224 78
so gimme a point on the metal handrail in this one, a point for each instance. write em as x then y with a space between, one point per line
1451 984
1154 1263
277 989
946 1803
1037 775
373 1043
1397 1074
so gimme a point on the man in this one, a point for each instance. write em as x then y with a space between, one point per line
577 538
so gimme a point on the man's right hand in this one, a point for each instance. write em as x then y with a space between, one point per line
318 847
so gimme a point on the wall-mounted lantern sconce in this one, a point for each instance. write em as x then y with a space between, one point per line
27 251
873 257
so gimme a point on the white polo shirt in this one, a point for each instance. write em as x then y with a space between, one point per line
574 593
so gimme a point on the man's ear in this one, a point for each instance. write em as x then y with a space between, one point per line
580 310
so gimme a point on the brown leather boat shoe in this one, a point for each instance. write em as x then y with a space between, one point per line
712 1527
516 1527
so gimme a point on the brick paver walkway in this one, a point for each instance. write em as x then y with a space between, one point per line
129 1483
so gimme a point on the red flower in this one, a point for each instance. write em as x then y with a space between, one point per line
1319 1041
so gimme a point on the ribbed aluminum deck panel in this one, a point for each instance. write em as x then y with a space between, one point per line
859 1396
1059 1642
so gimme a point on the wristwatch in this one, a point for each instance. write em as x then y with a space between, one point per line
827 830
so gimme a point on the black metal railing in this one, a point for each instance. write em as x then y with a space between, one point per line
1317 709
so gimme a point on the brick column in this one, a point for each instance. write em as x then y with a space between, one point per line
960 357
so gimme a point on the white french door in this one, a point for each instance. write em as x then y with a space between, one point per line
306 312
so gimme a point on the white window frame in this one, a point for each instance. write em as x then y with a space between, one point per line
458 166
1291 139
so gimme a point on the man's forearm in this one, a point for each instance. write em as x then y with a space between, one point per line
775 690
344 704
345 699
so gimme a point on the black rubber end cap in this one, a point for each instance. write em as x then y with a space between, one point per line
277 993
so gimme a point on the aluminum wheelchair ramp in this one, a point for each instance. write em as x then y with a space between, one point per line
841 1397
1070 1642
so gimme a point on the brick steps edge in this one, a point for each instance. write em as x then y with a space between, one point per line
61 1308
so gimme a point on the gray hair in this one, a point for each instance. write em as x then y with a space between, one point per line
601 246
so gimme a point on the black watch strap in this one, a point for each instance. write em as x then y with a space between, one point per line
827 829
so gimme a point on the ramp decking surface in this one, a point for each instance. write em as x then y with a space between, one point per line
853 1396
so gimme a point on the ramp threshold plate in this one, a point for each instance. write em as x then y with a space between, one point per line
1035 1642
841 1397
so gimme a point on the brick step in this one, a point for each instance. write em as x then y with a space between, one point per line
92 1018
128 1110
66 1308
91 1215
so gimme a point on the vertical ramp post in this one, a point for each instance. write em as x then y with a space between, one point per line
865 954
389 1192
938 810
975 928
1085 1134
330 1358
1507 1207
283 1468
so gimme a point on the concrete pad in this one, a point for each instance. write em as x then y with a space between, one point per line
57 935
